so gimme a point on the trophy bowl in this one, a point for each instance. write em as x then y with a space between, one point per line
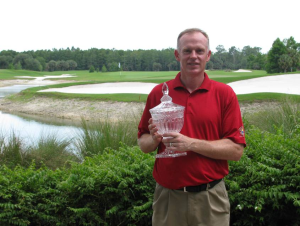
168 117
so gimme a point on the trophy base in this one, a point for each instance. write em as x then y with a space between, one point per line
170 154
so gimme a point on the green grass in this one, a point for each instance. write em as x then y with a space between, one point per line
130 76
84 77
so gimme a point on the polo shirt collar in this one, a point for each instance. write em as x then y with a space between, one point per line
206 84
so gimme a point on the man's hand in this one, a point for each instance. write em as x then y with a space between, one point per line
157 138
149 142
224 149
176 141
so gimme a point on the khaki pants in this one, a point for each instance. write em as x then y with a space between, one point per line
178 208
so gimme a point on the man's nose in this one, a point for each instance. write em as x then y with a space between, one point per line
193 54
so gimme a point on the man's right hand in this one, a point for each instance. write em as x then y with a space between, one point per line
149 142
157 138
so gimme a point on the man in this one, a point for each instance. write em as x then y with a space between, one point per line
190 189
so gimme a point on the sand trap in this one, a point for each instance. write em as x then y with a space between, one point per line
41 80
242 70
289 84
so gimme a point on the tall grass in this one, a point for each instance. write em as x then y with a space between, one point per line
49 151
96 136
283 116
54 152
11 152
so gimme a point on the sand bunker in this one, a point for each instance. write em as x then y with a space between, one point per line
242 70
41 80
289 84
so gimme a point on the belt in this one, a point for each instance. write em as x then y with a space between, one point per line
202 187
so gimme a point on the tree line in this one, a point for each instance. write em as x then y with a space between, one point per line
282 57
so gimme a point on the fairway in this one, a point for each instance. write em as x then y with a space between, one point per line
130 76
86 78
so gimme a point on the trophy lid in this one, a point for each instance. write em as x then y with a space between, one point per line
166 104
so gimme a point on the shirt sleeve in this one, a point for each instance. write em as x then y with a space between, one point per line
232 123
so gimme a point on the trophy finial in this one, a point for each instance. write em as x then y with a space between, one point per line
165 91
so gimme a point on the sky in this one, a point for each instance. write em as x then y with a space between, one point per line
144 24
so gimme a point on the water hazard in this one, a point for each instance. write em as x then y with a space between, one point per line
32 128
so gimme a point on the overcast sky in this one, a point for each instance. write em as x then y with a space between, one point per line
144 24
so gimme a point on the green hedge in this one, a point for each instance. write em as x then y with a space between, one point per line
116 188
264 186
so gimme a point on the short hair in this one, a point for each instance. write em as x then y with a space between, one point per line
192 30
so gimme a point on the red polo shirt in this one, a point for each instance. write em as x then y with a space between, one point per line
211 112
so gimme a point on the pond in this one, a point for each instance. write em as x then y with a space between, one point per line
29 127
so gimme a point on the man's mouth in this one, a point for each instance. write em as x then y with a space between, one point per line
193 64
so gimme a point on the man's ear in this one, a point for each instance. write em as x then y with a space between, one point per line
176 55
208 56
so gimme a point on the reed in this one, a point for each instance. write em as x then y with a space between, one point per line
11 150
284 117
96 136
49 151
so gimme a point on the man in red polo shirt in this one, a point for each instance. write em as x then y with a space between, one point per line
190 189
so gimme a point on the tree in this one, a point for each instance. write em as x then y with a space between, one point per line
210 65
18 66
62 65
4 61
295 58
42 62
291 43
92 69
22 57
33 64
72 64
104 69
156 66
285 62
172 65
277 49
52 65
113 66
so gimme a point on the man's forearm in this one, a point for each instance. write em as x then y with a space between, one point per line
219 149
147 144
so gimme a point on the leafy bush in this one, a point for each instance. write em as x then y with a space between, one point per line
114 188
264 186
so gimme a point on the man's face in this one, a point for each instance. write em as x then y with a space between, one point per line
193 53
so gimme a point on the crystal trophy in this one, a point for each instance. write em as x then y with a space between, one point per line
168 117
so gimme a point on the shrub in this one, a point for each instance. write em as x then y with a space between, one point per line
114 188
264 186
92 69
